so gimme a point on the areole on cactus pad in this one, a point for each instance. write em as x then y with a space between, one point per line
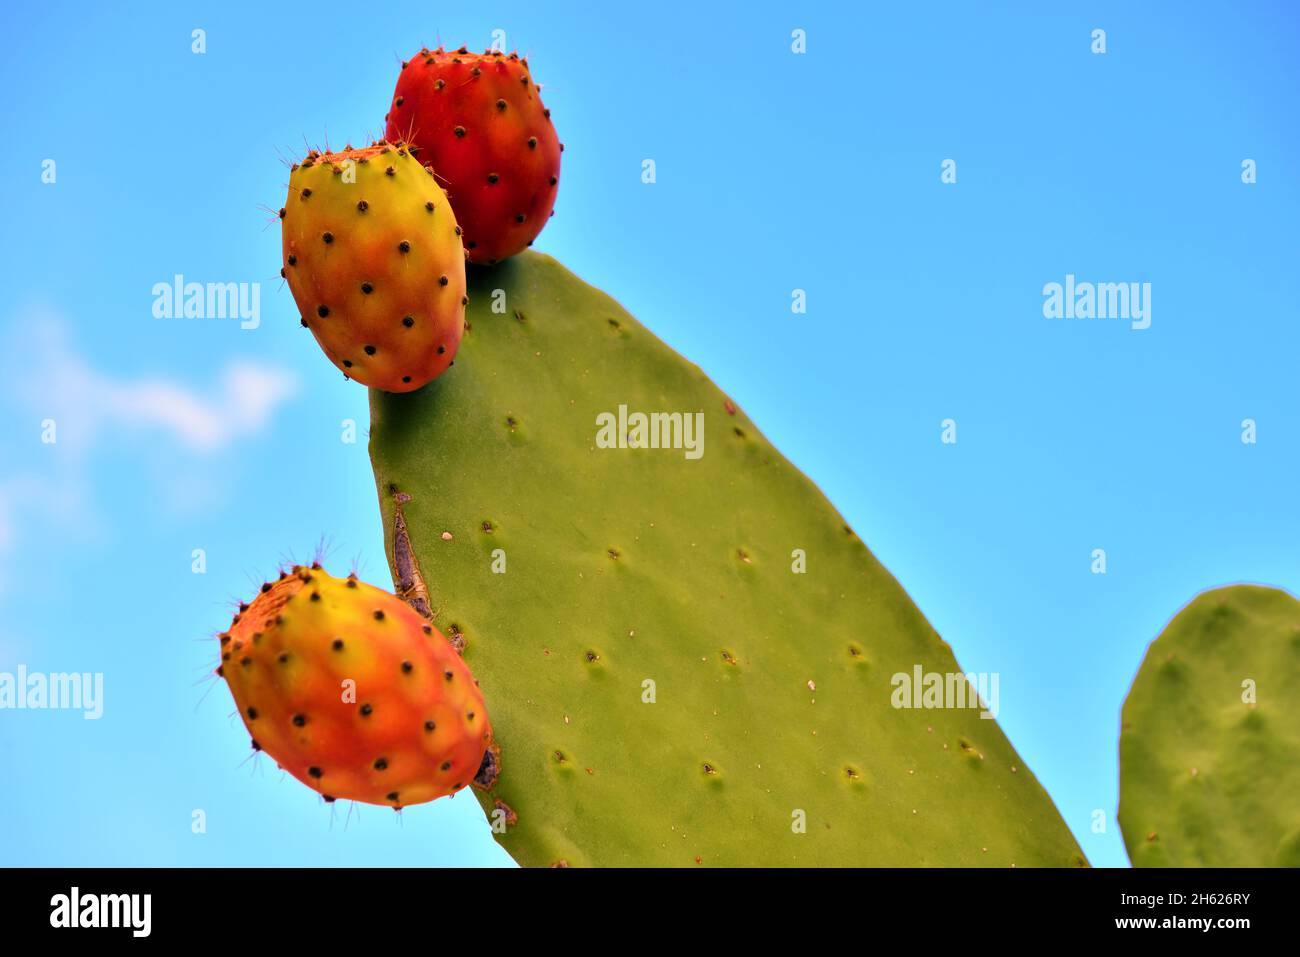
354 693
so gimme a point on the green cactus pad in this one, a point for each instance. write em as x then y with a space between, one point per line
1209 777
771 689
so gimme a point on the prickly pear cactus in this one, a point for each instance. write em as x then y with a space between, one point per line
1210 742
666 686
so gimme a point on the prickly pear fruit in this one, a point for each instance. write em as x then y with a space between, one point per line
478 119
354 693
373 257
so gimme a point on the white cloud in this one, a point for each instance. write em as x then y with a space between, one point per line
169 421
244 403
85 402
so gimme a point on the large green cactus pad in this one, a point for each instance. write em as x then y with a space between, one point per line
1209 748
771 688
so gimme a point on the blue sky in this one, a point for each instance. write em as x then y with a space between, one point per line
775 171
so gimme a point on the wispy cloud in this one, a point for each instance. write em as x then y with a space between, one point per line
90 408
85 402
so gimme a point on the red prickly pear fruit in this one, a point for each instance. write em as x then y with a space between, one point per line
478 120
373 257
354 693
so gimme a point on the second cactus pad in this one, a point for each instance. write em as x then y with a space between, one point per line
1210 743
688 657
